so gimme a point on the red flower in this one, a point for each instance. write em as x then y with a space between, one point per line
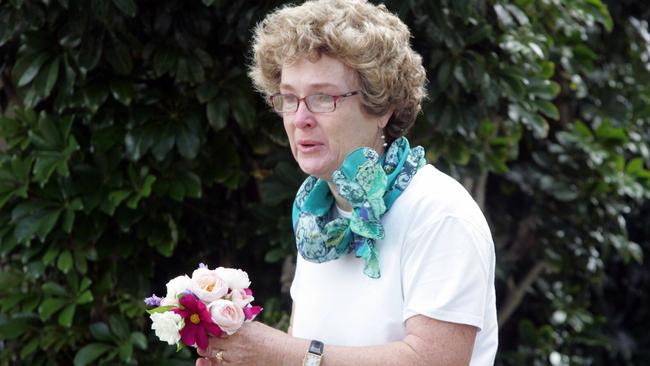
198 322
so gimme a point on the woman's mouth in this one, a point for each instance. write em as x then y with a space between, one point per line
309 146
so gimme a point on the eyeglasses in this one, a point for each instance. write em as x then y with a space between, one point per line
316 103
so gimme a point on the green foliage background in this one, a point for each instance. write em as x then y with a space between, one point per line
133 148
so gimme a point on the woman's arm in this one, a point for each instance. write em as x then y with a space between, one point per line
427 342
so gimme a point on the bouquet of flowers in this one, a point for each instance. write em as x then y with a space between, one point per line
210 303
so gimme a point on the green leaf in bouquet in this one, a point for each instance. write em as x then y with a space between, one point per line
160 309
180 346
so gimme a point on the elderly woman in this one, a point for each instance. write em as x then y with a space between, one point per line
395 260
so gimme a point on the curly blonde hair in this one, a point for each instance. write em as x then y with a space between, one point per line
366 37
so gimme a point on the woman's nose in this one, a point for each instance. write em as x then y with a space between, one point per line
303 117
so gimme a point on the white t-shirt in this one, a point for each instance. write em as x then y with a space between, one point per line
437 259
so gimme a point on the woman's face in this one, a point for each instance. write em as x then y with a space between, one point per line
320 141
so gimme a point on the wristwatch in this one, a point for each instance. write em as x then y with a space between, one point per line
314 354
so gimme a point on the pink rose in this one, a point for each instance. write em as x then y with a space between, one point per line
242 298
207 285
228 316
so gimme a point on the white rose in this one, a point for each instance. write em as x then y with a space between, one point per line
176 287
167 326
241 298
235 278
207 285
228 316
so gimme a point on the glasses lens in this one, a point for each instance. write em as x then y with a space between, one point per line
320 103
284 102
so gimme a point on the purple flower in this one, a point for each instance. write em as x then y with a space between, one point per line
153 300
203 265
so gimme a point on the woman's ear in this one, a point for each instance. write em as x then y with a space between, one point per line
382 120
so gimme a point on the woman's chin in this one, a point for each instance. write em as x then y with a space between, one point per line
317 170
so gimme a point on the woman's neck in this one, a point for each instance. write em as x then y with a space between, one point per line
340 201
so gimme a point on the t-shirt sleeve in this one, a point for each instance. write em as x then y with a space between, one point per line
445 271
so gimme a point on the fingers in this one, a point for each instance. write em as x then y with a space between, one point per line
204 361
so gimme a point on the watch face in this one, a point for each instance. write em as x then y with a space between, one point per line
311 360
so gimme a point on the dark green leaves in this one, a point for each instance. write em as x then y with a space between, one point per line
217 113
27 70
64 301
127 7
54 146
90 353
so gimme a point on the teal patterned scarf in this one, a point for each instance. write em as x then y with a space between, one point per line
371 184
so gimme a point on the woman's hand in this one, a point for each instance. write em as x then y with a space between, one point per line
253 344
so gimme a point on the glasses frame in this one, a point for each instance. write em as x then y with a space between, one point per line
304 100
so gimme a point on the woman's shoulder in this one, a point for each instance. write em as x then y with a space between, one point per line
433 195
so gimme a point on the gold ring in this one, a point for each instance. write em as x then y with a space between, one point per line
219 356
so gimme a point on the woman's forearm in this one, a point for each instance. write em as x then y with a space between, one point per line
292 352
428 342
